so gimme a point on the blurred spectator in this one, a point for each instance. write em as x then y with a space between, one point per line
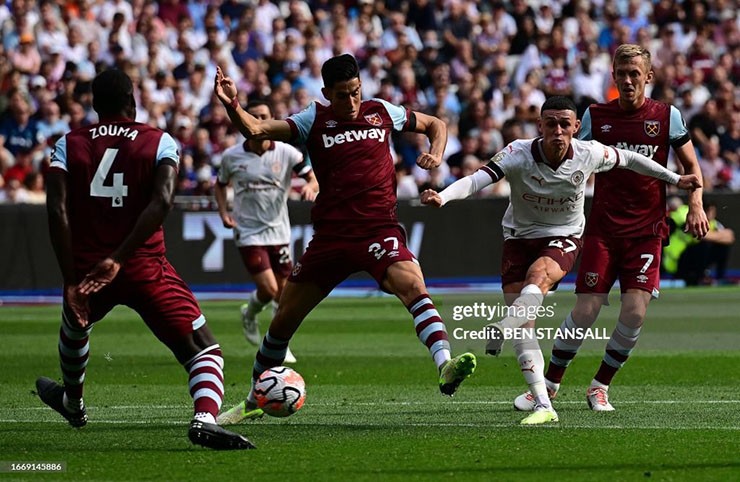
485 67
690 259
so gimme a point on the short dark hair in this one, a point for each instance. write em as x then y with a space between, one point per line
258 102
339 69
113 92
559 102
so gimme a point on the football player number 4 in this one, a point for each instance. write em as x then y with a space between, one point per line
118 190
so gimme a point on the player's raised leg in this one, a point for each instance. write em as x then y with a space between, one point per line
297 301
405 280
74 348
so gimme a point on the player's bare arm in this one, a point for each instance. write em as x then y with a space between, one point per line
248 125
150 219
223 206
436 131
696 220
61 239
311 188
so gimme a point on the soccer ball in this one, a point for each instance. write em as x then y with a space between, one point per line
280 391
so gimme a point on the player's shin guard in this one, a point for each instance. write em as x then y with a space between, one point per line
532 365
563 350
522 308
206 382
271 354
618 349
74 351
430 328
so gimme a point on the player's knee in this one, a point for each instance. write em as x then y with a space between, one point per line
267 291
585 314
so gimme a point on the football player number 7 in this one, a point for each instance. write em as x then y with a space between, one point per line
378 251
118 190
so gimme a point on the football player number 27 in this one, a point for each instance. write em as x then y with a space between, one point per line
118 190
379 251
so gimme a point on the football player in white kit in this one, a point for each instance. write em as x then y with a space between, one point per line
260 172
544 223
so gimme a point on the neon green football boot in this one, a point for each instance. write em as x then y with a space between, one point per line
454 371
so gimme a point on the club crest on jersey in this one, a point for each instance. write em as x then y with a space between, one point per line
652 128
331 124
374 119
592 279
497 158
577 178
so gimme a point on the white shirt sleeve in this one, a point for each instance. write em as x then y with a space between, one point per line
167 149
59 154
646 166
466 186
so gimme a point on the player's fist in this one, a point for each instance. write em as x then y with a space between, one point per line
427 160
689 182
228 220
224 87
430 197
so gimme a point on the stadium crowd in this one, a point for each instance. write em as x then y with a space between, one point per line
485 68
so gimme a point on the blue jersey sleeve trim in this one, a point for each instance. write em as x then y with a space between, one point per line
167 149
584 133
59 155
678 134
303 122
398 114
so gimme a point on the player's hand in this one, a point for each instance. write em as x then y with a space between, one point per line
428 161
697 223
224 87
100 276
689 182
308 192
76 301
430 197
228 220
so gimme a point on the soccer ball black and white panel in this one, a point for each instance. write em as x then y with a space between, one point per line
280 391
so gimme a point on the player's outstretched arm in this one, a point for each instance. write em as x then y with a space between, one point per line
61 239
696 220
248 125
436 131
459 189
647 167
150 219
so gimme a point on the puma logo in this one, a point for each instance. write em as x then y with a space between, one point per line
539 180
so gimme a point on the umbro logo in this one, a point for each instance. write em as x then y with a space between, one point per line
606 128
331 124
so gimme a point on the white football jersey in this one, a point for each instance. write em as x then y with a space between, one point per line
261 186
544 201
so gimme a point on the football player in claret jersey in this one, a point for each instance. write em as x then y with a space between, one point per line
354 217
260 172
626 226
544 223
110 187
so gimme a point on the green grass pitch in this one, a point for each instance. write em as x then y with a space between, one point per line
373 410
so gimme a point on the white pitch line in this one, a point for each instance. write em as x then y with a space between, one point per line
418 403
512 424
